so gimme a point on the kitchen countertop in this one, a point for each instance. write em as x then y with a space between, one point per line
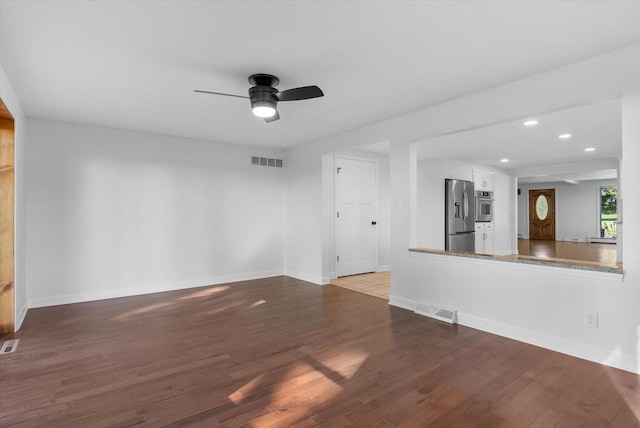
514 258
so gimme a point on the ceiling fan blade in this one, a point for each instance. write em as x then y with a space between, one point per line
303 93
272 118
219 93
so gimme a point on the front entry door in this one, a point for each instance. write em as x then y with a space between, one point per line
542 214
355 216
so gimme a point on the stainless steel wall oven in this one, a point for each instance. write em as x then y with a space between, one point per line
484 206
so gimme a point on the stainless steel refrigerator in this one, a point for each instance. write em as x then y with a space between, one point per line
459 202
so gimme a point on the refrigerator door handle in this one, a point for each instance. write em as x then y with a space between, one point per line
465 207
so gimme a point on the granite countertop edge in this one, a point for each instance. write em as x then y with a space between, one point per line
509 259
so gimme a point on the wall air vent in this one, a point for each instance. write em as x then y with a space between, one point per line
260 161
437 312
9 346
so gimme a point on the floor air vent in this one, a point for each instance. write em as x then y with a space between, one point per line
257 160
9 346
437 312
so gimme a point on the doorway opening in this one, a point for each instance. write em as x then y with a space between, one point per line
608 211
377 284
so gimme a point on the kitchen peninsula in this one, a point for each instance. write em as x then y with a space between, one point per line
528 260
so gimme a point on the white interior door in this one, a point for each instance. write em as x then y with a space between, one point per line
356 216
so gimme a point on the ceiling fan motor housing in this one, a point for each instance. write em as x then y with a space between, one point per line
263 96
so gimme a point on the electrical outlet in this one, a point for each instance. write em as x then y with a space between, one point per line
591 319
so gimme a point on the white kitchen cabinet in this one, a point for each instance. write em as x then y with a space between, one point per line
483 180
484 238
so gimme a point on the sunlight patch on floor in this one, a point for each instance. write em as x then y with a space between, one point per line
143 310
206 292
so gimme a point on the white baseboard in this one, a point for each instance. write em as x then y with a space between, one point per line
155 288
603 240
318 280
403 303
584 351
504 253
20 316
383 268
575 349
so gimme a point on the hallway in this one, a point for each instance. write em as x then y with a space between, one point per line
376 284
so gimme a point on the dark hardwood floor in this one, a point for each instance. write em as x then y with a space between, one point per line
589 253
282 352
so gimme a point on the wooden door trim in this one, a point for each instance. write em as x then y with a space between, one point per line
7 186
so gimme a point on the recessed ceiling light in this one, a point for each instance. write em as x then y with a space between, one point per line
531 123
589 149
564 136
504 160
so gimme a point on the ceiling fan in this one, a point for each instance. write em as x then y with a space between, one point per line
264 96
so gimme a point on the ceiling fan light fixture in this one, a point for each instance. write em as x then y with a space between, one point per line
263 108
264 111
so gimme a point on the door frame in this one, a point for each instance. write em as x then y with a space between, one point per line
7 243
335 208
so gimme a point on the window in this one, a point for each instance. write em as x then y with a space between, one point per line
608 211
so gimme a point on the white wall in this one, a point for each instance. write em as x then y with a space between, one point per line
113 212
430 200
20 285
577 208
629 199
304 238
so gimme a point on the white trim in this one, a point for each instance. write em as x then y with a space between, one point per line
602 240
318 280
502 253
383 268
21 315
613 358
403 303
599 355
156 288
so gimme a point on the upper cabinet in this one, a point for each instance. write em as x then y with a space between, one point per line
483 180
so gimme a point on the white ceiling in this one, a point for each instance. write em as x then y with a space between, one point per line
597 126
134 64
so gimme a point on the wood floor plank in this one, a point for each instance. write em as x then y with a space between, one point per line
282 352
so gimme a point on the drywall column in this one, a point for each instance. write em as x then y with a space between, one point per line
630 183
400 161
